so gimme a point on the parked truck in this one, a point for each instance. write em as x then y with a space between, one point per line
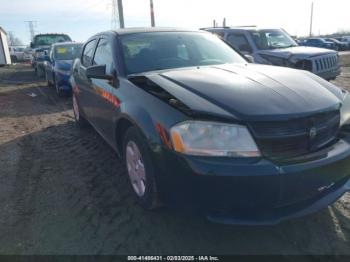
40 45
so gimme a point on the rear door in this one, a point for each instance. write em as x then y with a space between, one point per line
100 96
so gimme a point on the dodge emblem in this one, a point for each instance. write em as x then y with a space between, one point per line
313 132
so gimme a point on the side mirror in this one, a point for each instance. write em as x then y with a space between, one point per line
31 45
98 72
249 58
245 48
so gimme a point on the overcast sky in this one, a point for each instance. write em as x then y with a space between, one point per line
82 18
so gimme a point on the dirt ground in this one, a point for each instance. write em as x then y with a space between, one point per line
63 191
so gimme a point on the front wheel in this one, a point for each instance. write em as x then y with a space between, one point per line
140 168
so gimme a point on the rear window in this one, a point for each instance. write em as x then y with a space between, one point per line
41 40
67 52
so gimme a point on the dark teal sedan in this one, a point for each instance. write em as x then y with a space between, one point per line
199 127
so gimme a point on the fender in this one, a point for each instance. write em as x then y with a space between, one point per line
140 118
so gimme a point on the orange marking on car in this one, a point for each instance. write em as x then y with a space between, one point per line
108 96
163 135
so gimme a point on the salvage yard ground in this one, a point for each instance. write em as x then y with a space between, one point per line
63 191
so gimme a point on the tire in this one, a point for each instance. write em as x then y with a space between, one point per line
39 72
58 90
49 83
148 199
80 121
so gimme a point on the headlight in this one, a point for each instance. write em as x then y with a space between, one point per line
274 60
213 139
345 110
294 59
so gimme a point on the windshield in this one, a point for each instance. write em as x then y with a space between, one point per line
165 50
41 40
272 39
67 52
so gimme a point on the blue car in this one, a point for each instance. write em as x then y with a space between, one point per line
58 65
318 42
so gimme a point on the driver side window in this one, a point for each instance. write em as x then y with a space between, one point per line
104 56
88 53
240 42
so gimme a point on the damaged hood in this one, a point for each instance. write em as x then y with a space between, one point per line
297 51
249 91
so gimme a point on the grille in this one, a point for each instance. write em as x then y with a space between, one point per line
325 63
297 137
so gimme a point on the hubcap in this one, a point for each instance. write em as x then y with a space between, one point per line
136 169
75 108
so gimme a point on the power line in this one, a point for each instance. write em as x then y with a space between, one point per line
117 14
32 25
114 16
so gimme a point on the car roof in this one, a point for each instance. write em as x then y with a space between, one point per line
43 34
247 27
135 30
66 43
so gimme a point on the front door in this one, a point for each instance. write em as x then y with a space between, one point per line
103 103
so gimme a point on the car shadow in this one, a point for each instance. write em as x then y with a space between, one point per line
67 190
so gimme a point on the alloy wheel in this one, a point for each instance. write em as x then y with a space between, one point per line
136 168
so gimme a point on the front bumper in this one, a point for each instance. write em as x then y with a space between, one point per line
281 214
331 74
253 191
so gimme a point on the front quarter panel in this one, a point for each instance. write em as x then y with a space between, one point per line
145 111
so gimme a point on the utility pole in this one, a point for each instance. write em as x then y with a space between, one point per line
224 23
311 18
153 23
121 13
31 25
114 15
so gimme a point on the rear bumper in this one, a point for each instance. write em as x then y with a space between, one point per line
63 82
254 191
330 74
